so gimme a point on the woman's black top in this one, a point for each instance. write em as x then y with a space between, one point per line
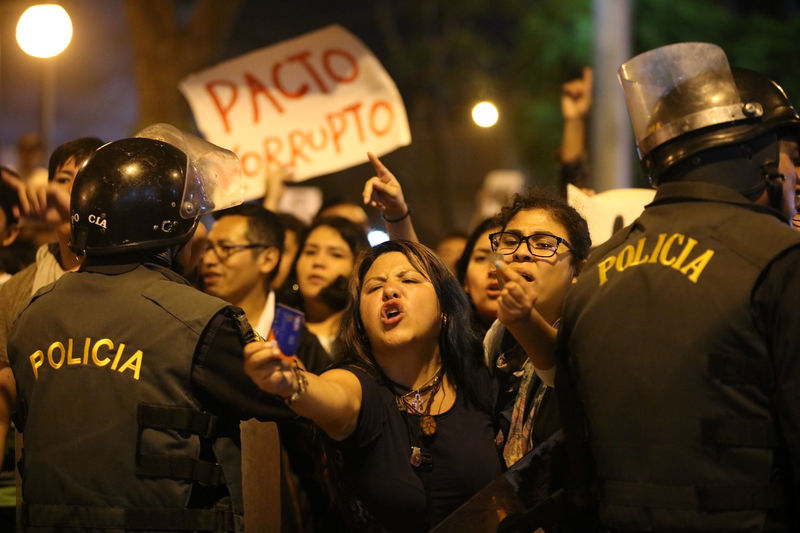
381 488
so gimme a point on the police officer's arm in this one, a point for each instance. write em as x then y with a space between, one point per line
218 377
331 400
776 306
8 395
516 309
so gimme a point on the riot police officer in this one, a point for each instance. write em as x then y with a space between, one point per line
129 381
678 346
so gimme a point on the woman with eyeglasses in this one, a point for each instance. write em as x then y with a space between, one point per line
539 250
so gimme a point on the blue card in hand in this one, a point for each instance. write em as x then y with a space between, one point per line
286 328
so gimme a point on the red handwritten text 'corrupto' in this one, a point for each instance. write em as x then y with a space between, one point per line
288 81
357 122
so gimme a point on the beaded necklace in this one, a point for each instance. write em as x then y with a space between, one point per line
419 402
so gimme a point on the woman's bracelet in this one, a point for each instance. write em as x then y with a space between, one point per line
398 219
302 384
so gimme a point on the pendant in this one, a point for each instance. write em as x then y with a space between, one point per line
418 402
428 425
416 456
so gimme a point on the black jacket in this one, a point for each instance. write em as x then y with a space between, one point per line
662 355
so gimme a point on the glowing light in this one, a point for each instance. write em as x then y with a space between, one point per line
44 30
485 114
376 236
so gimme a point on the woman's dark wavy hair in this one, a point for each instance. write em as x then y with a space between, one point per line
351 233
563 213
479 323
460 350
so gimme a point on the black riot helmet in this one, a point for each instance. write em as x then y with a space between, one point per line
779 113
688 107
127 198
145 193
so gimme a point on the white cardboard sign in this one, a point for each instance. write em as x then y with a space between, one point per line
315 103
602 210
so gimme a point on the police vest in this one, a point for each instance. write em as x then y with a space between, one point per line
114 438
672 375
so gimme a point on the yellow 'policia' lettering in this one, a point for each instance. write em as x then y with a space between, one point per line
662 254
58 354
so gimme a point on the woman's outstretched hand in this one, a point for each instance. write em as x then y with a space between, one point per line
270 370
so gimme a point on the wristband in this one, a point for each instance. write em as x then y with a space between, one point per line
398 219
302 384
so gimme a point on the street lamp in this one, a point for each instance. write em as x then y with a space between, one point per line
44 31
485 114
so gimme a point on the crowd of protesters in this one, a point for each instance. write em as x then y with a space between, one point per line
421 373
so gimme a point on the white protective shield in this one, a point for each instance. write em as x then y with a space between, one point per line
214 175
677 89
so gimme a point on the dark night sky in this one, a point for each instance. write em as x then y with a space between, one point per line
96 94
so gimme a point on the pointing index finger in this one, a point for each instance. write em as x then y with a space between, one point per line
588 75
380 169
505 274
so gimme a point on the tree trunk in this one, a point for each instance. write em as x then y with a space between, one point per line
166 50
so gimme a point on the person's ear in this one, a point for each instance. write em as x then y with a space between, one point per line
269 259
9 235
576 269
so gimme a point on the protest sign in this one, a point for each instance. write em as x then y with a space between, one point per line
316 103
610 210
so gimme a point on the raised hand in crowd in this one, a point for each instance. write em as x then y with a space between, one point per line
516 310
576 96
274 186
576 101
46 202
384 192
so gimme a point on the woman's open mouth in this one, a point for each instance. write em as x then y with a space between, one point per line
391 313
493 290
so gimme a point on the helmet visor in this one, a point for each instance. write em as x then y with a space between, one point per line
677 89
214 175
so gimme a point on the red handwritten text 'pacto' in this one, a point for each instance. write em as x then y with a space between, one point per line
357 123
337 67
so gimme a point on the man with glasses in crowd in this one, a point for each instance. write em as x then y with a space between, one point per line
242 256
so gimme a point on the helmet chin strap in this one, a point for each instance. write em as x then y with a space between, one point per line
774 184
170 257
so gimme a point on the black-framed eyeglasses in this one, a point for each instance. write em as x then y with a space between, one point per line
224 251
539 244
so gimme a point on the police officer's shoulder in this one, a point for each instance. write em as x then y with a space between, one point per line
758 234
183 302
39 295
617 239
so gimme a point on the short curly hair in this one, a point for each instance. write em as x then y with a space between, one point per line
563 213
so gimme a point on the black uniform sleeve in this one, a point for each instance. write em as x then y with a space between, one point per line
776 307
218 376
